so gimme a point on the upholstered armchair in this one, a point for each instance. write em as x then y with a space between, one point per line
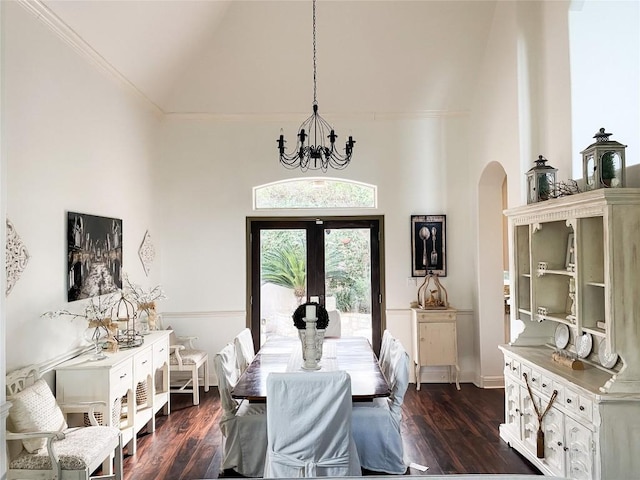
41 445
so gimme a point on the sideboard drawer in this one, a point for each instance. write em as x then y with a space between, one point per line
160 354
121 378
143 365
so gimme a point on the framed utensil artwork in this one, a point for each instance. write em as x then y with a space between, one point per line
428 245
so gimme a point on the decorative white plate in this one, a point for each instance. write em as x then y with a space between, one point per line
562 335
584 344
607 359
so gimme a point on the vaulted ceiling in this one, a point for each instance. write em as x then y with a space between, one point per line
255 57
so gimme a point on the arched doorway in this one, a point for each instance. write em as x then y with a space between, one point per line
492 263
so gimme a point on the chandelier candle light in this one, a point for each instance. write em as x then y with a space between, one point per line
311 150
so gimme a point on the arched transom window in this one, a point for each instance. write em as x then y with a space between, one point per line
319 192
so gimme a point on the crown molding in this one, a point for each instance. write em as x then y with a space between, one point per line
38 9
296 117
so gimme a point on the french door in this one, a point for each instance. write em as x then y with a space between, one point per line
335 261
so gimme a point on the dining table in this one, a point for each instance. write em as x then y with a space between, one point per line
284 354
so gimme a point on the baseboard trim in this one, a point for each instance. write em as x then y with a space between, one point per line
492 382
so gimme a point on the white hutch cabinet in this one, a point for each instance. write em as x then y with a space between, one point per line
116 378
575 284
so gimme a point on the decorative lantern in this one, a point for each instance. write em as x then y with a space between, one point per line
603 163
431 294
125 314
541 181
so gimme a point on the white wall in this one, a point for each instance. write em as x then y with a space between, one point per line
4 406
74 140
521 109
209 169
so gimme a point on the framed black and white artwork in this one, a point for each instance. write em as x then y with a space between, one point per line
94 255
428 245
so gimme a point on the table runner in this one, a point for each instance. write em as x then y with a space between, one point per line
328 362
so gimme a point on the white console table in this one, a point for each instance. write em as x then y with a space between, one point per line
115 377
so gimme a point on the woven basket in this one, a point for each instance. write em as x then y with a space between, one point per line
142 393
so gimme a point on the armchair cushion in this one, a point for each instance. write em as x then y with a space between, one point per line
76 451
35 409
189 357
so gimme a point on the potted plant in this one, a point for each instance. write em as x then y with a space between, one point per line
608 168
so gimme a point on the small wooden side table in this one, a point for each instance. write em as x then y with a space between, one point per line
435 340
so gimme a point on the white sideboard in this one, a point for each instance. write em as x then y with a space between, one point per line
435 340
115 378
575 285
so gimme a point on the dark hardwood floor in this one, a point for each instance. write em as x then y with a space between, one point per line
450 431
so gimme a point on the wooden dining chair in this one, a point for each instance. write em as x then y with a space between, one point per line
41 445
377 425
244 349
243 424
309 425
185 358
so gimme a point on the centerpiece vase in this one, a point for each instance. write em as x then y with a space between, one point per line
310 347
319 342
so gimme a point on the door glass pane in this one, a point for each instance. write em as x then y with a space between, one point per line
348 281
283 280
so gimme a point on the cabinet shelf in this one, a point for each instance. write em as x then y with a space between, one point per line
598 332
559 318
566 273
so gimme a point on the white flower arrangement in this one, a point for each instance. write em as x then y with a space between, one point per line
98 308
145 300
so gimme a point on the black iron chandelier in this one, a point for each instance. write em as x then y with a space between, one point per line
312 151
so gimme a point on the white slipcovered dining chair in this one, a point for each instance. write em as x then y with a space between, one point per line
41 445
244 349
383 358
185 358
377 425
243 424
309 426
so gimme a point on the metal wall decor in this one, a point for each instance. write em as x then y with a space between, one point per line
428 242
147 253
17 257
312 150
94 255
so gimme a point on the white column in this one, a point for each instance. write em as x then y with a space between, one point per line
4 406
